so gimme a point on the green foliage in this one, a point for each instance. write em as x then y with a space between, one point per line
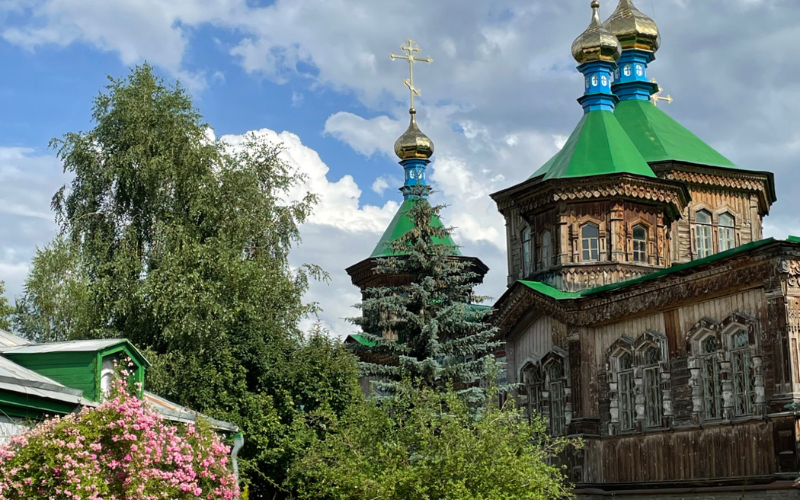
180 243
54 306
428 444
436 327
6 310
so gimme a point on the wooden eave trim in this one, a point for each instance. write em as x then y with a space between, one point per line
767 195
652 191
742 271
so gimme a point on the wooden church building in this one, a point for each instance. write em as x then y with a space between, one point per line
645 310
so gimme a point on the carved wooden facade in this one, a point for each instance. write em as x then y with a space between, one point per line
676 381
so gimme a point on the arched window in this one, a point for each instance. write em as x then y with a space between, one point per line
556 386
743 377
703 240
534 385
712 382
590 242
639 244
547 249
652 386
526 252
626 388
726 241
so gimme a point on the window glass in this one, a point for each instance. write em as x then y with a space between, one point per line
712 382
639 244
743 376
526 251
106 376
557 401
726 236
703 234
534 386
547 249
590 242
626 388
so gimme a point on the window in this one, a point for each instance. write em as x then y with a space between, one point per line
703 241
590 241
106 376
547 249
639 244
652 386
534 384
526 251
557 399
743 377
627 398
712 383
725 232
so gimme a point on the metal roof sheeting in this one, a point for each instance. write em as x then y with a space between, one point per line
177 413
9 340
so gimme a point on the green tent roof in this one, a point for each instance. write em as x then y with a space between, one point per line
658 137
400 225
597 146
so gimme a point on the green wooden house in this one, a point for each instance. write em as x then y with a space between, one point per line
57 378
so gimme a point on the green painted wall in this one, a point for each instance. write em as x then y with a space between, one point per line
77 370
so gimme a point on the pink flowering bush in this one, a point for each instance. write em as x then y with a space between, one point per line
120 450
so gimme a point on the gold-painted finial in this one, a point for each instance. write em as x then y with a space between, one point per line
596 43
657 96
413 143
633 29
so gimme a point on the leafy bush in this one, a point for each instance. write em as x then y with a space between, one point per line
425 444
120 450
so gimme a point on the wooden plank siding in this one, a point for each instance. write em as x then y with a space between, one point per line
72 369
683 455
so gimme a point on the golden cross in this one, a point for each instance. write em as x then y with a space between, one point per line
657 96
410 48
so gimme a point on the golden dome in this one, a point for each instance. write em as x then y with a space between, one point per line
413 143
633 29
596 43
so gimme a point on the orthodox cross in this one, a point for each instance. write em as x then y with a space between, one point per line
410 48
657 96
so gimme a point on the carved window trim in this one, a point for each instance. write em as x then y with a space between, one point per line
702 364
589 244
726 233
652 392
556 393
703 233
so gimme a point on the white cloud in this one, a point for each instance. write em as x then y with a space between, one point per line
380 185
27 184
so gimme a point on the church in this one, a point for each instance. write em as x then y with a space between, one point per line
645 311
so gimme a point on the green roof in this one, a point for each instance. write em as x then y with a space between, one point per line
597 146
362 340
557 294
400 225
658 137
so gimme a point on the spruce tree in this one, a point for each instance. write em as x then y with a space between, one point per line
426 329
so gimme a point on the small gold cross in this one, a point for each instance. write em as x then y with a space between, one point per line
410 48
657 96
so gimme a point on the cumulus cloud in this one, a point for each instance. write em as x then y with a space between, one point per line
27 183
498 100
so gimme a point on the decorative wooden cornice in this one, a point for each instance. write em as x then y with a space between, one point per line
760 183
365 275
534 195
745 269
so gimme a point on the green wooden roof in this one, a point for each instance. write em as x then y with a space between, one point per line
400 225
597 146
658 137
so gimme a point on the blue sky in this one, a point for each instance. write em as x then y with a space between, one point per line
498 101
